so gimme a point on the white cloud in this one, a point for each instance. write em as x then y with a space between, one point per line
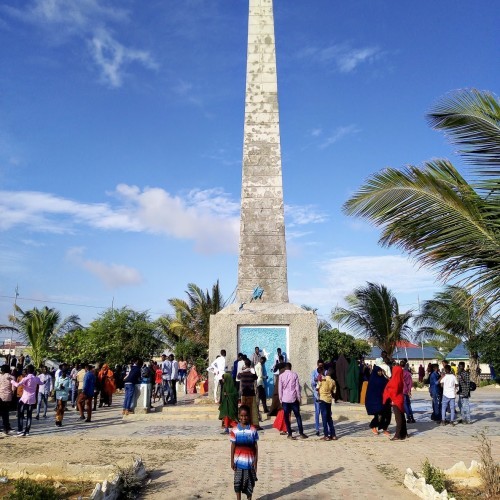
302 215
112 275
111 57
345 57
209 218
316 132
338 134
342 275
88 20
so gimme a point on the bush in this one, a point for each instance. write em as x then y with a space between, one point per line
485 383
418 385
27 488
434 476
489 470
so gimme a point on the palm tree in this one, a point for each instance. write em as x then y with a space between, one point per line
455 312
39 327
432 212
191 319
373 312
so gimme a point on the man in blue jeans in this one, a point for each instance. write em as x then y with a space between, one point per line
133 378
289 395
314 385
436 392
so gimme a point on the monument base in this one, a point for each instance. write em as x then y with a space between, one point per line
267 326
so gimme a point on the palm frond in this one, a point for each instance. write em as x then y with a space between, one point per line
435 216
471 119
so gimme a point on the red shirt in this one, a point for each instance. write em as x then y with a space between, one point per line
158 374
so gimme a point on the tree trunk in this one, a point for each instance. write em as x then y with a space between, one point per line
474 367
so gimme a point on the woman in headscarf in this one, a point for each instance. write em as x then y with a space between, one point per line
228 407
352 381
393 394
106 384
341 371
192 380
374 402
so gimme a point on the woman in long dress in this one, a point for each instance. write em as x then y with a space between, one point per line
393 395
228 407
192 380
106 384
374 402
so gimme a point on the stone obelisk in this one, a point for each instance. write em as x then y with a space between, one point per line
271 321
262 257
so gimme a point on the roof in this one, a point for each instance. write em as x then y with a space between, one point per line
405 343
460 352
409 352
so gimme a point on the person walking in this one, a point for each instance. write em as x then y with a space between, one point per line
44 392
62 386
218 367
85 398
393 395
326 390
289 394
25 404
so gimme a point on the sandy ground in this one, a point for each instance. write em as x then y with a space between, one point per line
190 459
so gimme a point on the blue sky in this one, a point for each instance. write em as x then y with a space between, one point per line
121 128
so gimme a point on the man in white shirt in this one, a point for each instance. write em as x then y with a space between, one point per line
44 392
218 367
450 384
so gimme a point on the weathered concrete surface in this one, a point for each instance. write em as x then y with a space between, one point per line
262 258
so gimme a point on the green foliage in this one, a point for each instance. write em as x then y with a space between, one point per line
333 343
27 488
193 352
115 337
487 344
41 328
418 385
432 212
191 319
434 476
373 312
455 313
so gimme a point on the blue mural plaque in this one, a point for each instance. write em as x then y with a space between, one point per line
268 339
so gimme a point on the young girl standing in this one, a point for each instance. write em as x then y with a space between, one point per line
244 454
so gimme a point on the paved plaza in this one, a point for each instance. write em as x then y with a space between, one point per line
189 459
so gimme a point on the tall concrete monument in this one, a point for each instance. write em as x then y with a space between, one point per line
270 321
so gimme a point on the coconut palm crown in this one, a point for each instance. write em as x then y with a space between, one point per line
373 312
432 212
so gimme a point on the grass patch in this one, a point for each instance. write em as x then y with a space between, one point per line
434 476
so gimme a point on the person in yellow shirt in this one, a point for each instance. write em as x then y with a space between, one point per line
326 390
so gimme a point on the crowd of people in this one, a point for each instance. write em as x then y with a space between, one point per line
384 388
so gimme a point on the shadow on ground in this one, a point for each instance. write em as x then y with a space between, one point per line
301 485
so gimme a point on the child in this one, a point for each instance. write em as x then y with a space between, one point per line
244 454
